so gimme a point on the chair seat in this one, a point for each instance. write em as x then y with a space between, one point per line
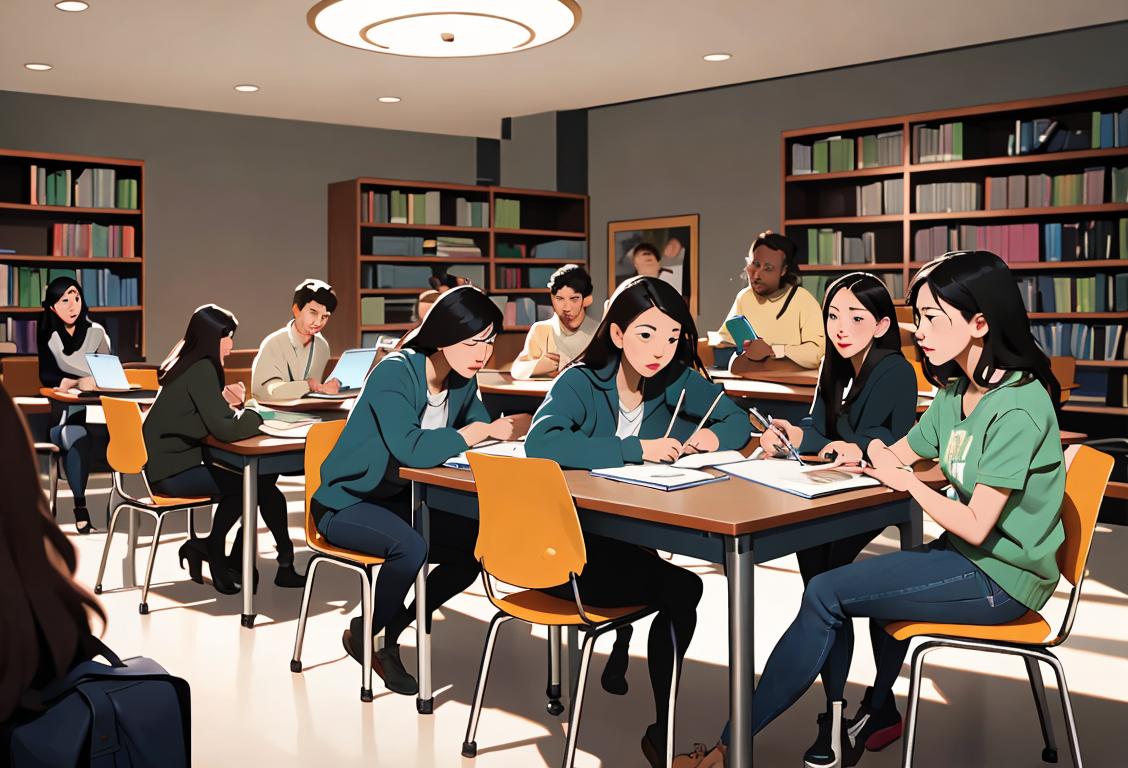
321 546
1029 629
536 607
157 501
46 448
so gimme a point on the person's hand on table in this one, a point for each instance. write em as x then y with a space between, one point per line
848 453
511 427
772 442
702 441
663 450
86 384
757 350
476 432
880 455
65 384
331 387
898 478
235 394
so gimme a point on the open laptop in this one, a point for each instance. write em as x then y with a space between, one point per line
109 376
351 370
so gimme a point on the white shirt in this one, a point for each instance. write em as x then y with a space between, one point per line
284 362
435 414
630 422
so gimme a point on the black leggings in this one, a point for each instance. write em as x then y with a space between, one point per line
618 575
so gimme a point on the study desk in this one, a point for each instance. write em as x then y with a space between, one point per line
94 398
733 523
319 405
32 406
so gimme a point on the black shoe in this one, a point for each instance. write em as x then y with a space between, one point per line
870 728
82 522
217 564
614 677
235 576
193 552
385 663
654 745
289 578
825 751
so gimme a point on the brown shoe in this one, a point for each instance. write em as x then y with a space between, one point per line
385 663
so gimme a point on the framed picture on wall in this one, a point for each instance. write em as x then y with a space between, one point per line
664 247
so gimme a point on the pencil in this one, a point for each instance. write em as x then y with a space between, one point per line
677 409
709 412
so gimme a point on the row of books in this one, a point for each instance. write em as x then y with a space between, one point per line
831 246
375 276
456 248
470 213
1044 135
1042 191
1109 129
507 213
95 241
939 144
817 284
1060 241
836 153
25 286
1070 241
396 207
1080 340
1091 293
879 197
560 250
524 277
91 188
22 333
949 197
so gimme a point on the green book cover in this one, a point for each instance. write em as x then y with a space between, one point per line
869 152
23 287
99 241
822 157
848 150
836 156
61 272
1095 133
1124 238
826 246
957 141
812 246
1063 296
51 189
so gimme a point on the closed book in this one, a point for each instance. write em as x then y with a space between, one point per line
821 157
84 187
433 201
1016 191
372 310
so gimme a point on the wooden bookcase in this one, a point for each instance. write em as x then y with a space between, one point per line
829 200
27 228
545 216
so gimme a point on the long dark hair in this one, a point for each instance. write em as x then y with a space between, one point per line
630 300
44 613
52 323
979 282
208 325
837 370
457 315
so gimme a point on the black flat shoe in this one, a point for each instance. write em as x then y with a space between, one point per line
385 663
217 564
614 678
194 554
82 522
288 578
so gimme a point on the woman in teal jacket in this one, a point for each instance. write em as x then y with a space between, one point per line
419 407
614 406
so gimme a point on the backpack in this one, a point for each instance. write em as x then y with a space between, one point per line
127 714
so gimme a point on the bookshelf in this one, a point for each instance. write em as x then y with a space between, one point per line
464 225
889 194
81 215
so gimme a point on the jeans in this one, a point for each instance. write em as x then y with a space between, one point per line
75 442
935 584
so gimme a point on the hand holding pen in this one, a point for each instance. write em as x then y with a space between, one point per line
779 429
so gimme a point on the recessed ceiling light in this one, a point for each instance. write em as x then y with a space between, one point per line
389 99
717 56
246 88
73 6
35 67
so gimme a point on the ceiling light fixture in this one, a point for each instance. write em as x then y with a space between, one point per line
72 6
389 99
717 56
36 67
444 28
246 88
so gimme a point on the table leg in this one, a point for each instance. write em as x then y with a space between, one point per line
740 565
250 538
421 519
912 531
131 548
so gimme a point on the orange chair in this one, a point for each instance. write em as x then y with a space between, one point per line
143 378
1028 636
127 455
320 441
535 552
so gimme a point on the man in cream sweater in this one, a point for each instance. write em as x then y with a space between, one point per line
553 343
291 361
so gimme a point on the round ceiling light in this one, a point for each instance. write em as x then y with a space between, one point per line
717 56
247 88
73 6
444 28
36 67
389 99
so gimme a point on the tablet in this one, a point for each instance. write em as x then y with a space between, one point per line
107 372
740 330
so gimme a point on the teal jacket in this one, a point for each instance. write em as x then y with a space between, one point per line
575 426
383 432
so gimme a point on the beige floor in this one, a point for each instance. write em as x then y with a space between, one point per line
248 709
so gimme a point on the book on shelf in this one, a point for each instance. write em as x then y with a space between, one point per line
393 245
475 273
1093 293
471 213
22 333
88 188
510 251
24 286
401 276
380 310
507 213
895 282
835 153
1119 185
1081 340
1109 130
1010 242
457 248
520 311
830 246
938 144
948 197
878 150
95 241
1071 241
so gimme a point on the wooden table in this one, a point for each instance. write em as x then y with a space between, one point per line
733 523
93 398
317 405
32 406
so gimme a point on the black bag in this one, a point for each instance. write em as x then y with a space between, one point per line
128 714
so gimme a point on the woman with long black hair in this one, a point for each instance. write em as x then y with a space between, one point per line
419 407
192 404
65 335
614 406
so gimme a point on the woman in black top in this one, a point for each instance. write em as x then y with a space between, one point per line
867 390
64 337
192 404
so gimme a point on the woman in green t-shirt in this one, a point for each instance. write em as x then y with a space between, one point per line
993 427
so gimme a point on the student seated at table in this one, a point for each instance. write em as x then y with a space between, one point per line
784 315
419 407
613 406
867 391
192 404
291 361
553 343
64 337
994 429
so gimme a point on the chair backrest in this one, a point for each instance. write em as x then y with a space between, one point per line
21 375
528 532
923 384
319 442
145 378
1085 480
1065 371
126 452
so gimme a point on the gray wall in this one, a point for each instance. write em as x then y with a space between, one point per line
235 206
717 153
528 157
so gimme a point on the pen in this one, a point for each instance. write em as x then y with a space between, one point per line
708 413
767 420
677 409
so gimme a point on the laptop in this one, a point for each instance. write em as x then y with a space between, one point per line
108 375
351 370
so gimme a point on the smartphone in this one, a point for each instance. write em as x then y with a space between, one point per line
740 330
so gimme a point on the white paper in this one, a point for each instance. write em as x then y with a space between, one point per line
513 448
791 477
663 476
712 459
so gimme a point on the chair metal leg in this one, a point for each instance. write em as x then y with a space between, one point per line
578 701
554 706
914 703
673 700
1067 705
1038 688
153 544
106 549
469 745
299 638
53 479
366 648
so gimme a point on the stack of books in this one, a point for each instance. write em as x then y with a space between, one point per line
507 214
939 144
949 197
396 246
458 248
95 241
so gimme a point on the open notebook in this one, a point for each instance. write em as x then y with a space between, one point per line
664 477
512 448
789 476
285 423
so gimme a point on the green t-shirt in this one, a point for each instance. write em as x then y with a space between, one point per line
1010 440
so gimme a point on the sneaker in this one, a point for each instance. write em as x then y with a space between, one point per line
385 663
826 750
872 729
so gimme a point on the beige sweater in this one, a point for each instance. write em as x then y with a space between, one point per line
798 335
283 364
549 336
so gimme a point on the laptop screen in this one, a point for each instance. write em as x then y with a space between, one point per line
353 367
107 371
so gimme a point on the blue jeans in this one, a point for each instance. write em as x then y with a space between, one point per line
72 435
935 584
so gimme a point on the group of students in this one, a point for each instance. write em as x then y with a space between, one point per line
992 426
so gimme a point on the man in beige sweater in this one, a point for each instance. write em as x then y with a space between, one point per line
553 343
291 361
